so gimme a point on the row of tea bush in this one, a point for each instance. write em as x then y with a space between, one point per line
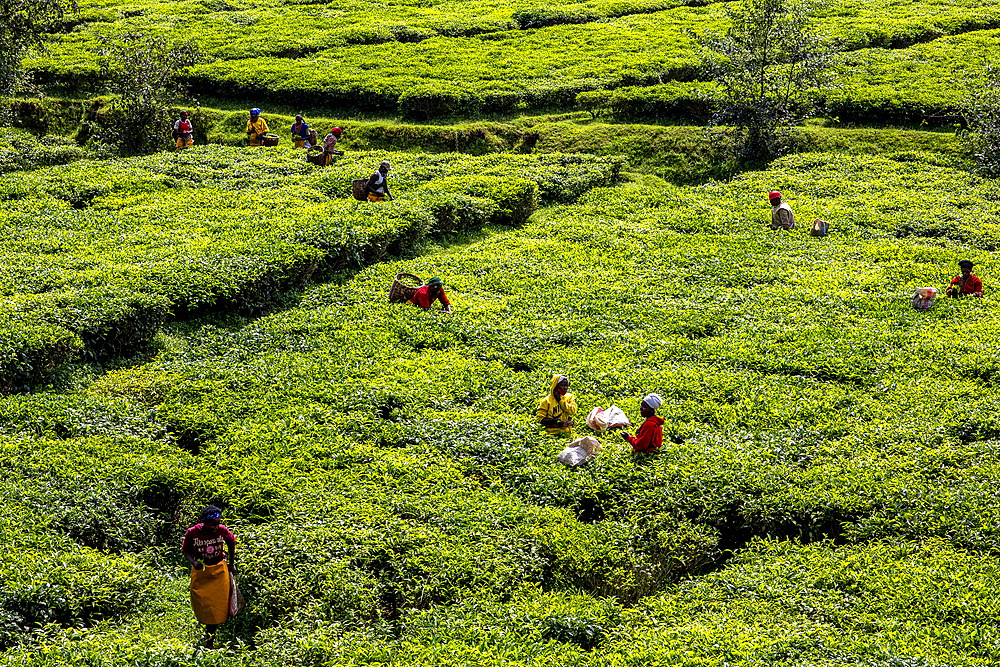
395 503
97 253
420 72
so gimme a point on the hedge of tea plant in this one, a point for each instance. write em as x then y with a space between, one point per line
461 59
21 151
826 493
97 254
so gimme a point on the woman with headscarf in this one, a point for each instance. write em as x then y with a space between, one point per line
429 293
210 570
649 437
555 411
377 187
965 282
301 134
256 127
330 145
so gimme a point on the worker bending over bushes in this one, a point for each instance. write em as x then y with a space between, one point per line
965 282
301 134
429 293
330 145
649 437
183 132
377 187
256 127
781 213
555 411
210 573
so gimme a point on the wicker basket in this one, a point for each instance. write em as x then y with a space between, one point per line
269 140
317 158
358 189
400 291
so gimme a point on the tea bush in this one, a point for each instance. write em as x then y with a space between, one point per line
69 558
503 58
394 502
21 151
103 250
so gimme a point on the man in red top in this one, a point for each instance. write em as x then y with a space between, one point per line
431 292
649 437
965 283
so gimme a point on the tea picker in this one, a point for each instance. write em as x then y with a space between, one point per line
258 133
214 595
302 136
649 437
377 187
781 213
555 411
329 149
421 295
965 282
183 132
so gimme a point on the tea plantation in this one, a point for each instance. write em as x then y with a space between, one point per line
212 326
422 60
826 493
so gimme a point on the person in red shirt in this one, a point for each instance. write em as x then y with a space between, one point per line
184 132
966 283
210 571
649 437
431 292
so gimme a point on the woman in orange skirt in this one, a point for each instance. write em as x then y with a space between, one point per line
210 570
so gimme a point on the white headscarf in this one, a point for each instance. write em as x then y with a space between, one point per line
653 400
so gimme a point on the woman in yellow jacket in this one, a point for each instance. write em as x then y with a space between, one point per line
256 127
555 411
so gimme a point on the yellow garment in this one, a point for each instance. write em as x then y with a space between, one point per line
257 129
184 143
371 195
557 407
299 143
210 593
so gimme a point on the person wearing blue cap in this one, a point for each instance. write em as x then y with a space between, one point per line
210 569
256 127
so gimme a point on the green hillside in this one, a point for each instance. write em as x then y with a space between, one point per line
432 59
212 326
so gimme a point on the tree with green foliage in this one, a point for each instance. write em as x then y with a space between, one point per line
23 24
768 63
982 114
143 72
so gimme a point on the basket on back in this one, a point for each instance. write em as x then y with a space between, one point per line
401 291
316 156
358 189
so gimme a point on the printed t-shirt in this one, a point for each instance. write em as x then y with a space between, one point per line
207 545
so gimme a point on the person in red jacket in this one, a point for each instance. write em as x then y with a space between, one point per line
966 283
649 437
431 292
